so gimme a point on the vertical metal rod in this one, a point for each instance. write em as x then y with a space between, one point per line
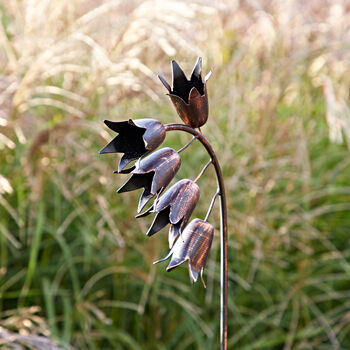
223 227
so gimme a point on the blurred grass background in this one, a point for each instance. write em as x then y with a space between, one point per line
76 267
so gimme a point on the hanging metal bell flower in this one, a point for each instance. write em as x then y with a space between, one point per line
135 139
174 207
189 97
194 246
153 173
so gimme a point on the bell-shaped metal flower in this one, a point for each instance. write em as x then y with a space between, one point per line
153 173
135 139
194 246
174 207
189 97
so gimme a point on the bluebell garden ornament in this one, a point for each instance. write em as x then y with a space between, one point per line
174 207
153 172
194 246
189 97
135 139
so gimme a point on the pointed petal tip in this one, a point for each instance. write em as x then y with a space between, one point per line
110 148
124 161
199 62
165 258
145 213
206 78
197 70
121 189
175 262
124 171
110 124
167 86
177 72
193 274
142 202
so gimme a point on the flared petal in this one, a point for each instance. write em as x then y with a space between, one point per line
135 139
167 86
160 221
163 259
196 77
137 181
144 199
175 206
179 78
149 211
197 70
194 246
153 173
174 231
193 272
129 139
189 97
206 78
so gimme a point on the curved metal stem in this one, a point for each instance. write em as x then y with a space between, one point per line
211 204
203 170
187 144
223 224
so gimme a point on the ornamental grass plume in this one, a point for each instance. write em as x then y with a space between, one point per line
136 139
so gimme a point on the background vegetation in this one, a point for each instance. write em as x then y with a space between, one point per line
76 267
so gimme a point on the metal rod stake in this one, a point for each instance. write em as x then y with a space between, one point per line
223 227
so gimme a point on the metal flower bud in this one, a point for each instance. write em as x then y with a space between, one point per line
153 173
189 97
194 246
174 207
135 139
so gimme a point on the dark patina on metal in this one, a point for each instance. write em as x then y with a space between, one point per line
153 173
138 138
174 207
135 139
189 97
194 246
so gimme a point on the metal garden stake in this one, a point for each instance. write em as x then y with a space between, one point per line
153 172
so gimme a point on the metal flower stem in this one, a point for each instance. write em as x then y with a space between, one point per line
223 227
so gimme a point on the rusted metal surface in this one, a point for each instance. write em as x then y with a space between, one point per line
135 139
194 246
153 173
189 97
174 207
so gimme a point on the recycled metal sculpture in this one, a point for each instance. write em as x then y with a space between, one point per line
136 139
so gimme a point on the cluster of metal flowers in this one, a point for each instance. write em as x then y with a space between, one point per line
153 172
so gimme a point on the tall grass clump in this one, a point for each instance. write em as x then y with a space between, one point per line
280 118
